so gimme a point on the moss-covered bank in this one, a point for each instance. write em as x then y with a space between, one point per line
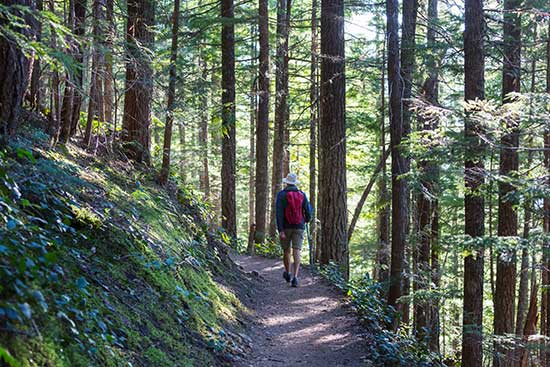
102 267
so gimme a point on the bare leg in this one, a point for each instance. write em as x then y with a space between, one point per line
296 255
286 259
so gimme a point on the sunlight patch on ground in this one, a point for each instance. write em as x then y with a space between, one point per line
313 300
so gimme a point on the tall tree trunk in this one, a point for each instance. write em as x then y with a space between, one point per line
34 93
545 309
505 290
80 28
332 143
524 270
108 76
54 120
425 327
252 151
400 192
281 94
383 253
262 123
474 207
313 117
136 122
95 104
408 45
167 143
68 95
229 209
14 74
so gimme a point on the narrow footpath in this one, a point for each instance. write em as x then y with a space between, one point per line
305 326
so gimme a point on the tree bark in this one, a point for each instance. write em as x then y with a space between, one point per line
14 75
34 92
262 123
426 252
252 151
545 308
527 207
108 76
229 205
383 253
507 214
332 143
400 201
408 46
136 122
281 105
80 28
167 143
474 88
95 104
313 119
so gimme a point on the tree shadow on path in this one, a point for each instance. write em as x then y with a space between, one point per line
304 326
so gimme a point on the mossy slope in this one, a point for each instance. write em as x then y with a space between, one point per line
105 268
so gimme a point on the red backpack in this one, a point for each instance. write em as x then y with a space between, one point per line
293 210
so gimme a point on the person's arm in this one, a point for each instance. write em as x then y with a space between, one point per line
306 207
280 211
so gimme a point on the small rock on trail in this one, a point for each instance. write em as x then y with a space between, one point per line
304 326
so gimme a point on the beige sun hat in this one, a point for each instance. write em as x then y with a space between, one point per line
291 179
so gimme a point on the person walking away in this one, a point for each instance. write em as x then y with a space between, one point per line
293 211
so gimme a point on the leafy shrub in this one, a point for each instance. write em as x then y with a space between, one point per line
384 347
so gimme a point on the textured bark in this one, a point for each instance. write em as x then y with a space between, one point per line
229 205
527 207
426 311
474 206
530 327
54 117
14 75
80 28
313 118
507 215
167 143
262 123
408 45
332 143
35 96
68 96
136 122
382 267
545 302
281 105
252 152
108 77
400 210
95 103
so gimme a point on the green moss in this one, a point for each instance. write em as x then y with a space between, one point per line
136 268
157 357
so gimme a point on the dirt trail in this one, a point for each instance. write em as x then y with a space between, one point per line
304 326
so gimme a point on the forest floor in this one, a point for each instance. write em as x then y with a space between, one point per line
305 326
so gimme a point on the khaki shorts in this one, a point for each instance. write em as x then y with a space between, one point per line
294 237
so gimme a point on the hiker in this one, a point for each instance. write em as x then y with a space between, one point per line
293 212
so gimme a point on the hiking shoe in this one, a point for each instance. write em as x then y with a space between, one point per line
286 276
294 282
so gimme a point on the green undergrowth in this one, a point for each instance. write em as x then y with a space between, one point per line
102 267
384 347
